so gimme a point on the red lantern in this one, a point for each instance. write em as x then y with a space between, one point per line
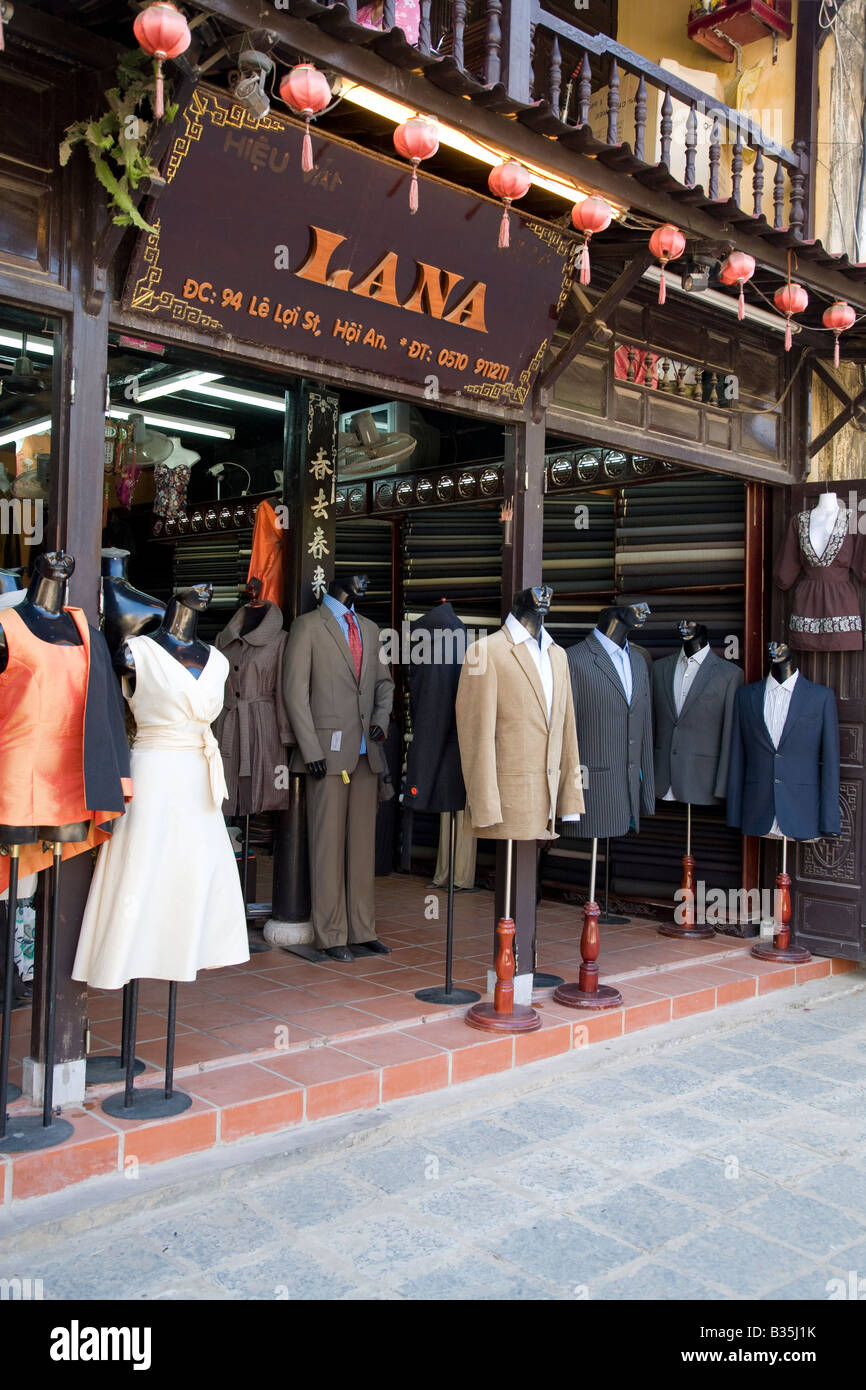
162 32
590 216
737 269
306 91
667 243
837 318
508 181
790 299
416 139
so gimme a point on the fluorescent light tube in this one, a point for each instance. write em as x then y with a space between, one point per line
241 396
22 431
169 422
179 381
720 301
36 346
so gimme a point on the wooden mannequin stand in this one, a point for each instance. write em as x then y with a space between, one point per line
780 949
588 993
156 1102
688 929
436 994
503 1015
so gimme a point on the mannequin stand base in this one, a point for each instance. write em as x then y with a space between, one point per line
27 1134
256 941
13 1092
573 997
99 1071
790 955
613 919
147 1105
542 981
522 1019
703 932
438 994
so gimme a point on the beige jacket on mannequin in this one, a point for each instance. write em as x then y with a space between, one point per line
520 772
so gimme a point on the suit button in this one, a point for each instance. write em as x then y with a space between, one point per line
778 781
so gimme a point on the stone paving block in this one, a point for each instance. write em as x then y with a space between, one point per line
631 1149
835 1066
473 1142
842 1184
307 1198
812 1287
559 1177
641 1216
711 1058
561 1249
742 1104
770 1155
801 1221
663 1078
601 1092
705 1180
652 1281
98 1274
474 1279
541 1119
739 1261
401 1166
389 1247
474 1205
832 1134
790 1084
689 1127
212 1234
286 1276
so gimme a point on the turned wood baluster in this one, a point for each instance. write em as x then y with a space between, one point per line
691 145
715 156
389 16
584 91
423 26
631 371
613 104
493 43
758 182
797 217
532 62
503 993
737 170
554 76
640 118
667 127
459 26
779 195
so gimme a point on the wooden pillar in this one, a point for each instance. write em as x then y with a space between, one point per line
521 569
309 492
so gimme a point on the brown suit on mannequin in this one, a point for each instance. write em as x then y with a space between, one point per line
330 713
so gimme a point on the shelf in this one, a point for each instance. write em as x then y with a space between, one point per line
740 23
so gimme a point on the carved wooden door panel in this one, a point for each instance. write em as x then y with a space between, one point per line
828 875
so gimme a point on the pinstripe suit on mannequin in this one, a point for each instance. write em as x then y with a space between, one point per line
616 741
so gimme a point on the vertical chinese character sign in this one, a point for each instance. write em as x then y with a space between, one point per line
313 501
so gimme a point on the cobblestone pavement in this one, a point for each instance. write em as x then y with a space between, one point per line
730 1163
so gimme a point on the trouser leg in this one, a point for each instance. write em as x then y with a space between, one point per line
361 854
327 802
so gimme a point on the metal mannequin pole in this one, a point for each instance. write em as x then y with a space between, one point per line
101 1070
608 918
7 1090
155 1102
434 994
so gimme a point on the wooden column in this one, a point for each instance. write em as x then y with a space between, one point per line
521 569
310 466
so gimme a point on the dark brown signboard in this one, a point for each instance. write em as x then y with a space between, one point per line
333 265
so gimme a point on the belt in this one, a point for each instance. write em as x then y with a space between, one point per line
185 738
243 709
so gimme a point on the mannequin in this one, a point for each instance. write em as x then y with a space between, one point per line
179 456
255 607
822 519
176 635
171 479
10 581
821 550
782 661
531 607
338 693
126 611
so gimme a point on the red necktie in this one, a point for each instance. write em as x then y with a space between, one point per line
354 644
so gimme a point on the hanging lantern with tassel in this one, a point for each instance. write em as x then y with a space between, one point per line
307 92
591 216
790 299
667 243
508 181
736 270
161 31
838 318
416 139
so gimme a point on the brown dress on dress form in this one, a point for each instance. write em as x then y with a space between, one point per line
253 729
825 608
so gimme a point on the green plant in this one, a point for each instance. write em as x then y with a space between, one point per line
117 140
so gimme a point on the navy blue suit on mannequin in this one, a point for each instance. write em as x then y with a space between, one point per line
797 783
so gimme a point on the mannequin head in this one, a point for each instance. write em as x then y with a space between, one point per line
531 606
619 621
197 598
9 581
349 588
783 663
114 563
54 564
253 590
694 636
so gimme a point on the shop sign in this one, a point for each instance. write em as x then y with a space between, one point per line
333 265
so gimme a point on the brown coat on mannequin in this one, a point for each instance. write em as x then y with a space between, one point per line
253 729
516 767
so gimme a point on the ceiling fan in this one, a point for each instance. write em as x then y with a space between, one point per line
363 451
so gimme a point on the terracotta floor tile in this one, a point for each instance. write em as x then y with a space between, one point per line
292 1004
317 1064
646 1015
190 1049
697 1002
779 979
391 1048
413 978
479 1059
343 1097
194 1130
736 990
337 1020
264 1035
150 1027
400 1007
263 1116
216 1014
228 1085
351 991
816 969
414 1078
92 1151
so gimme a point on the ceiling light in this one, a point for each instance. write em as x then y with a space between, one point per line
36 346
241 396
22 431
248 89
721 301
178 381
456 140
168 422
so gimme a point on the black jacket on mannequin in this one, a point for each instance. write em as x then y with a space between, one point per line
692 748
434 781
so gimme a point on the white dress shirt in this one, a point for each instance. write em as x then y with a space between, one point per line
539 650
685 671
621 660
777 699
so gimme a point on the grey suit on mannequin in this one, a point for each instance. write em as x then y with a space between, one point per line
692 749
615 740
331 712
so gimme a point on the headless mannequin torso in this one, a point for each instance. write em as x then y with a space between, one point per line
176 635
126 611
822 519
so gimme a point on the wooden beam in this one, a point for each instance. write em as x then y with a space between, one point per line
40 30
597 319
846 414
829 380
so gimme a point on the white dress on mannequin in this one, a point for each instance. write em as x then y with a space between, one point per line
166 897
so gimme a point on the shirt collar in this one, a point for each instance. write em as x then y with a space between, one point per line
337 608
773 684
698 656
520 633
610 647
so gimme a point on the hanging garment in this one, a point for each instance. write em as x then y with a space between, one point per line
787 778
266 560
434 781
171 488
253 730
693 742
64 756
518 746
166 901
825 608
616 740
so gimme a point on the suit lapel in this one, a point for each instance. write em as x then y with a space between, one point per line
757 696
701 680
796 707
530 670
604 664
338 635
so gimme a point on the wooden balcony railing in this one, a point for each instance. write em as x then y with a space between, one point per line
621 108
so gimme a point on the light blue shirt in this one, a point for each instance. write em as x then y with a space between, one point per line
621 660
339 611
